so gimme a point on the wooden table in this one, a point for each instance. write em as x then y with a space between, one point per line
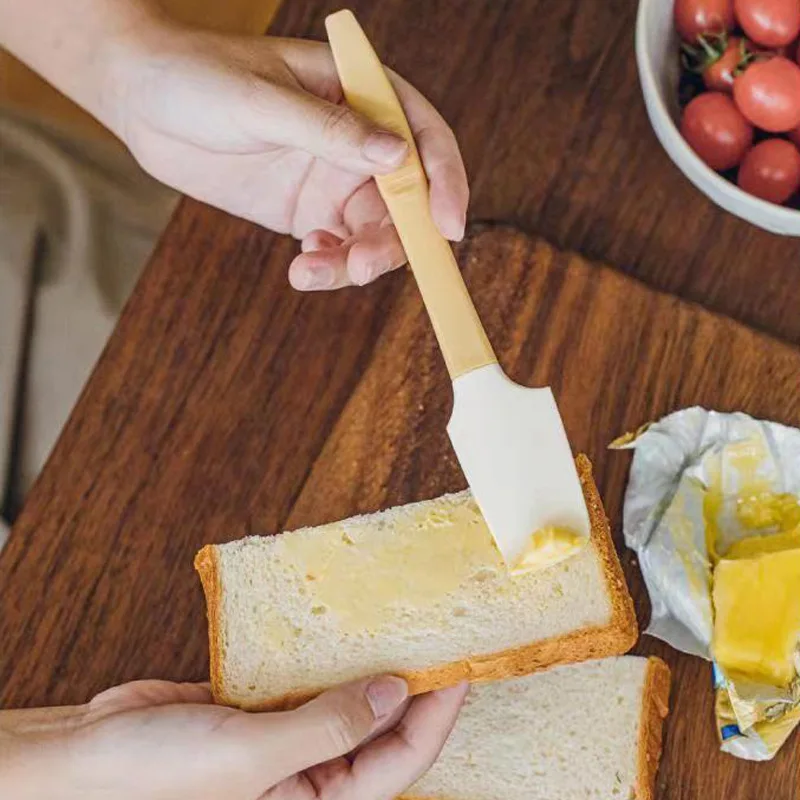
207 414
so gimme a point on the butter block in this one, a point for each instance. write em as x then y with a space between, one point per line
757 612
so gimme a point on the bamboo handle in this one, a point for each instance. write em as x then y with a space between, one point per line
367 90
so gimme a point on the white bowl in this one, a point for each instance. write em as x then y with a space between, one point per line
657 58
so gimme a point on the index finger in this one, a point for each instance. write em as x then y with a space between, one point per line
314 67
441 157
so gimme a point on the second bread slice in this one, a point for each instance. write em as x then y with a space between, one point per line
589 731
418 591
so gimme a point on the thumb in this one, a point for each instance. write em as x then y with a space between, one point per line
335 133
333 724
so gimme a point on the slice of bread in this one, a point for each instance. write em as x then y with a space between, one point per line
582 732
418 591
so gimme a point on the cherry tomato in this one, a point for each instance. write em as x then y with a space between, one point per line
696 17
768 94
771 170
719 73
771 23
786 50
716 130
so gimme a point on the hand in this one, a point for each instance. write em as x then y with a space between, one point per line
258 127
154 740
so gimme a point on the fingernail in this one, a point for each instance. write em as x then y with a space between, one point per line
462 228
313 280
319 240
385 695
453 228
385 149
365 274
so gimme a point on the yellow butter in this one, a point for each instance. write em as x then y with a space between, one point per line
756 581
755 505
368 579
757 610
546 547
758 545
757 510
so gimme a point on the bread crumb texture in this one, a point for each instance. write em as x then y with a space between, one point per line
419 590
571 733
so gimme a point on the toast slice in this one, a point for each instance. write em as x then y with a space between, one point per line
577 732
419 591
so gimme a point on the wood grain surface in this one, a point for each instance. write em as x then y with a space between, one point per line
294 410
545 101
225 403
616 354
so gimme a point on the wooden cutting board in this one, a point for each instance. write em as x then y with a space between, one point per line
617 354
226 404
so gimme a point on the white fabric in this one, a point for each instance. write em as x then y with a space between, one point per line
95 216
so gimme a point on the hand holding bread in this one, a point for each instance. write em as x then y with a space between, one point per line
154 740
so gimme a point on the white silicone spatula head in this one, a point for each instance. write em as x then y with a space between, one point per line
509 440
511 444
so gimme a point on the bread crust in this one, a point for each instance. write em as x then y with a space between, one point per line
207 565
655 707
601 641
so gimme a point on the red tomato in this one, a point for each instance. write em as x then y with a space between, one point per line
771 23
786 50
716 130
720 73
768 94
695 17
771 170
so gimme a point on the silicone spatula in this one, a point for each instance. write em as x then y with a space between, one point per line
510 440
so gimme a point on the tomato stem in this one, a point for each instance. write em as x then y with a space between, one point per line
711 48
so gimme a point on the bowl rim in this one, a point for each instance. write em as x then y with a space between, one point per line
700 169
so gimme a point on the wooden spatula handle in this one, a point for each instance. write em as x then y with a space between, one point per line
367 90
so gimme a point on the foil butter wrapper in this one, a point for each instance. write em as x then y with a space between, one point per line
677 462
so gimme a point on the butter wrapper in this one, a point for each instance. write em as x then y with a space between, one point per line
689 500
